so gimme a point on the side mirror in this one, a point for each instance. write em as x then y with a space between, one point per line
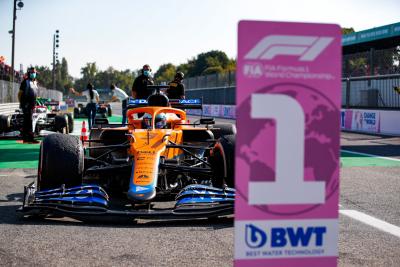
207 121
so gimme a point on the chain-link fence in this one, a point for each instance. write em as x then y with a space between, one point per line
372 62
9 92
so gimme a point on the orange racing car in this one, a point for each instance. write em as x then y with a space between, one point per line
159 156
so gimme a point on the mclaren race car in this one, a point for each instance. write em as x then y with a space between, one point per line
160 165
45 117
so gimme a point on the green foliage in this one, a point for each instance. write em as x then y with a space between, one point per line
205 63
348 30
165 72
103 79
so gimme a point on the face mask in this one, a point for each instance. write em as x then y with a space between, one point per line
32 75
146 73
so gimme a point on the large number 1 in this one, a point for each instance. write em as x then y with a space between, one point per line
289 186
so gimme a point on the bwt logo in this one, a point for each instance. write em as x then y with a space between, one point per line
284 236
307 47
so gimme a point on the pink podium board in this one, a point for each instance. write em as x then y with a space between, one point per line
287 149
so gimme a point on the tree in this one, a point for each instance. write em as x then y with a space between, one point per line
165 73
348 30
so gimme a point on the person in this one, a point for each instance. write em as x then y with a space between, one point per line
119 95
93 99
176 88
27 98
139 87
160 121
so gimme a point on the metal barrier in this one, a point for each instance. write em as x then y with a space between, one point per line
8 108
7 89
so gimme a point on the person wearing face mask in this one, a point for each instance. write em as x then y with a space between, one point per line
139 87
27 98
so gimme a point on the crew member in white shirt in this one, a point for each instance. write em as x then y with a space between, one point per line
119 95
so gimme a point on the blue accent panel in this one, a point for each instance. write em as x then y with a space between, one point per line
190 101
204 190
203 200
132 101
74 201
141 193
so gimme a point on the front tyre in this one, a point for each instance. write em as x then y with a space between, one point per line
61 124
223 162
60 162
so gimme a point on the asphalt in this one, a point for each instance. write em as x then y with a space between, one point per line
369 188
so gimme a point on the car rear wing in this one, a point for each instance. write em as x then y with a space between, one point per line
195 103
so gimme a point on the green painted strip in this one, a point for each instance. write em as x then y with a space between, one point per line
349 159
16 155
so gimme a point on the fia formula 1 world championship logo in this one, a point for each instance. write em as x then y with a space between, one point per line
306 47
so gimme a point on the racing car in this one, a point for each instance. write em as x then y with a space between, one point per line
43 118
158 157
104 110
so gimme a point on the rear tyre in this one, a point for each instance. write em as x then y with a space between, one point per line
5 123
223 162
77 112
70 123
60 162
222 129
61 124
109 111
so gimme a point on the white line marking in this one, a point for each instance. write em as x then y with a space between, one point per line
369 155
372 221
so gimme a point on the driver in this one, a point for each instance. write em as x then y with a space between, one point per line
161 121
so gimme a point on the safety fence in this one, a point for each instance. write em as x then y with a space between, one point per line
377 92
226 79
9 92
8 108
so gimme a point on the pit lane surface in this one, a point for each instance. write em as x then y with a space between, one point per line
369 185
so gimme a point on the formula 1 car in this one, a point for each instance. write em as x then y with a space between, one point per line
42 119
126 171
104 110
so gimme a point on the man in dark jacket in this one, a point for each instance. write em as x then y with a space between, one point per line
27 98
176 88
139 87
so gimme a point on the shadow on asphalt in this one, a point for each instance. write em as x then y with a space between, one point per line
383 150
9 215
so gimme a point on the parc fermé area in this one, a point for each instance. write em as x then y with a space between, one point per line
369 215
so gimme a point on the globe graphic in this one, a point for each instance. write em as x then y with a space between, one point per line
257 142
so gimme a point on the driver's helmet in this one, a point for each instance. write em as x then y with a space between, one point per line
146 121
161 121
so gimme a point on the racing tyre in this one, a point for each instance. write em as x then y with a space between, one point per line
77 112
109 111
70 123
61 124
5 123
223 162
60 162
222 129
95 134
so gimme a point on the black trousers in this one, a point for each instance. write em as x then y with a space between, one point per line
27 131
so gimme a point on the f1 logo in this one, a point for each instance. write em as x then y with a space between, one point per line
307 47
